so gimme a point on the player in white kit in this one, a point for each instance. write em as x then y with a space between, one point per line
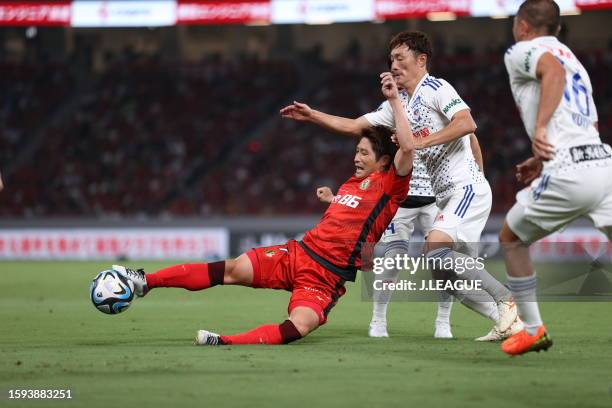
441 123
419 207
570 172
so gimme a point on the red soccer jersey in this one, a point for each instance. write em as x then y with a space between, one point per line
359 213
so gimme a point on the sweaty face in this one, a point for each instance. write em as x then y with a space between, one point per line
365 159
404 65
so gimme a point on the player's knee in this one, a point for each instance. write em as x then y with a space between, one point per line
305 320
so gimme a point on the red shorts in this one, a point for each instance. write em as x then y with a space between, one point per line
288 267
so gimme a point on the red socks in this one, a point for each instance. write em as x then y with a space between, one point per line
188 276
202 276
283 333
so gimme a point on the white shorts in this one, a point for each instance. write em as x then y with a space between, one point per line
464 213
402 226
553 201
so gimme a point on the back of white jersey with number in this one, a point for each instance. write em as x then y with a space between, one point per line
573 122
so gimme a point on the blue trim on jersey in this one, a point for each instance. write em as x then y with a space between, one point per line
465 202
433 83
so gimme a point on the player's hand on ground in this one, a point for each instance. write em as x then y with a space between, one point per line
325 195
540 146
528 170
389 87
296 111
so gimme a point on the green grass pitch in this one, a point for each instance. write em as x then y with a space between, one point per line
51 337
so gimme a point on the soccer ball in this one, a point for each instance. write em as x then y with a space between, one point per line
111 293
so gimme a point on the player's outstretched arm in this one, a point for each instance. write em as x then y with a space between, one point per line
338 124
403 132
325 195
552 83
460 125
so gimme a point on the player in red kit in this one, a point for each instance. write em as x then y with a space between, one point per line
316 268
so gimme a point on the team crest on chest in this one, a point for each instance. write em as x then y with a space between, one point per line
364 184
269 253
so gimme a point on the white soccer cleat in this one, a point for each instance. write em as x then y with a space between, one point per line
493 335
507 315
496 335
206 338
378 329
443 330
137 276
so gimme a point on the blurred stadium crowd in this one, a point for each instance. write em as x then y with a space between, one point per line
147 137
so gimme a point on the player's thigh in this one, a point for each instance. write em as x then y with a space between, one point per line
401 226
462 217
238 271
601 213
554 201
426 218
518 224
314 288
272 266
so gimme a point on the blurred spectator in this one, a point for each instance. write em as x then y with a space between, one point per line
148 138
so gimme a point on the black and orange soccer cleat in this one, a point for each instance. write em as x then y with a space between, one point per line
522 342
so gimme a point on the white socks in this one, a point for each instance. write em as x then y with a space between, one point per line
524 291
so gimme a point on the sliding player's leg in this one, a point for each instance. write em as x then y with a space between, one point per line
301 321
315 291
192 276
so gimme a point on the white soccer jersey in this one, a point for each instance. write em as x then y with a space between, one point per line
451 165
573 122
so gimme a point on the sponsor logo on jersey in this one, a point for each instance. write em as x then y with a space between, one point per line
589 152
422 133
527 61
452 103
440 217
365 184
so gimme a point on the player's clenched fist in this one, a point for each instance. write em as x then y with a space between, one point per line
325 195
296 111
389 87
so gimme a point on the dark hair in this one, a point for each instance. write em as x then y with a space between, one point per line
380 139
541 15
416 41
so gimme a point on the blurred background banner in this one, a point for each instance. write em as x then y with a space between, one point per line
159 13
223 12
129 13
42 13
111 244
